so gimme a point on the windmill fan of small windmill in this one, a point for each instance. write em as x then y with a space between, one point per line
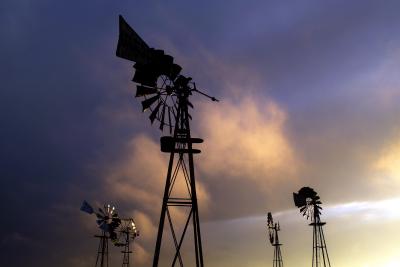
309 203
273 229
270 228
107 218
127 230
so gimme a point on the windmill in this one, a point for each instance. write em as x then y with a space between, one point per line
309 203
108 221
165 94
273 229
127 234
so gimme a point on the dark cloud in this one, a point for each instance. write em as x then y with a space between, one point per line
68 115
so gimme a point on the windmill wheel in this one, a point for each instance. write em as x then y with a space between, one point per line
309 203
127 230
157 78
271 228
108 220
161 100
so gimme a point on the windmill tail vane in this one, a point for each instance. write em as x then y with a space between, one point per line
86 207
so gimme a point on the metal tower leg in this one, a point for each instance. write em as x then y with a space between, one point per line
320 252
126 251
102 251
277 262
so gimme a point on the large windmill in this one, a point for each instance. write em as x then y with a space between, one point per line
309 203
166 95
273 229
108 221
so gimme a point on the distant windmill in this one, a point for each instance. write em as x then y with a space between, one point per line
127 234
309 203
108 221
166 95
273 229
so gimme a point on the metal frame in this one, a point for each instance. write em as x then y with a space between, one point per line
102 251
320 251
181 150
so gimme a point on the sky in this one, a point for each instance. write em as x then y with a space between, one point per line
309 96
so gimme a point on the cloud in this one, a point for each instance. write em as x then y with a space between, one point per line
246 139
136 182
247 159
387 166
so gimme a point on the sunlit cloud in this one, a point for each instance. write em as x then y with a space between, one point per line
247 139
139 177
388 163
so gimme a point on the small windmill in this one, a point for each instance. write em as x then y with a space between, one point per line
273 229
165 93
127 234
309 203
108 221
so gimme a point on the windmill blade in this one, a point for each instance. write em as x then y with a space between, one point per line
101 213
104 227
169 120
148 102
153 114
308 192
115 222
86 207
130 45
174 71
165 61
270 220
162 62
173 113
162 118
190 104
299 200
113 236
303 208
108 209
271 238
100 216
143 91
145 76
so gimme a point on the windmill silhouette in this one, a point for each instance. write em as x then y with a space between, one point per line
128 232
166 95
273 229
309 203
108 221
